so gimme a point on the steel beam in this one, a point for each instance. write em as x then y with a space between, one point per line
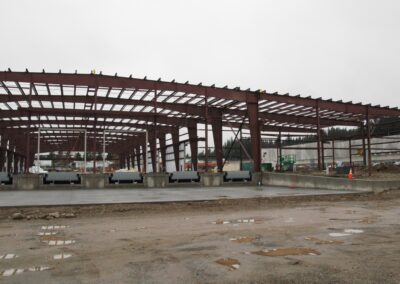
252 109
217 135
369 142
95 81
175 143
163 150
192 131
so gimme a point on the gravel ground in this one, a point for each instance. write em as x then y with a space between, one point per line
333 239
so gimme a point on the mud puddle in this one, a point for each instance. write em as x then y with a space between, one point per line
287 252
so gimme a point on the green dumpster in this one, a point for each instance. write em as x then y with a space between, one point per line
266 167
247 166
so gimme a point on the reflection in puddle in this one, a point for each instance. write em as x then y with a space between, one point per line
16 271
287 251
47 233
62 256
235 222
8 256
353 231
241 240
53 227
60 242
323 242
338 234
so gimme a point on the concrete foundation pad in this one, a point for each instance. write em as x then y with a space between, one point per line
331 183
212 179
27 181
94 180
155 195
152 180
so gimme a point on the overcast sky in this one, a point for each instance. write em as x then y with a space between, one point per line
347 50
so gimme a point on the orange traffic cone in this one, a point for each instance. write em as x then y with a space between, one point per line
350 175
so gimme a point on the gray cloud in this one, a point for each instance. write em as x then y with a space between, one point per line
332 49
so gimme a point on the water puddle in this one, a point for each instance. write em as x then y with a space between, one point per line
287 251
323 242
242 240
8 256
353 231
38 268
229 262
15 271
61 256
11 271
236 221
338 234
346 232
60 242
47 233
57 227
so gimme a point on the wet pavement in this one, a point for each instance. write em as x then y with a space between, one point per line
112 196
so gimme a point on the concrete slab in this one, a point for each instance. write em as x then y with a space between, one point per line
111 196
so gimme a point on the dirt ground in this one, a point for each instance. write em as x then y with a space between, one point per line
353 239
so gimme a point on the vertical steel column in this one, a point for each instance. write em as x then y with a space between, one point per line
153 152
94 135
28 148
38 151
240 151
138 158
175 145
104 151
206 132
350 157
277 154
7 156
184 156
22 164
133 158
146 153
333 154
192 131
163 151
364 153
318 135
21 167
28 133
94 153
280 151
16 159
85 152
9 161
369 144
255 134
153 139
217 135
128 161
322 149
323 154
2 154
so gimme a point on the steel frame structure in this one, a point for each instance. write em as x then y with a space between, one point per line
97 102
64 130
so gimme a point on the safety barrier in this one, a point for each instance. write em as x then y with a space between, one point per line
62 178
126 177
237 176
184 176
5 178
